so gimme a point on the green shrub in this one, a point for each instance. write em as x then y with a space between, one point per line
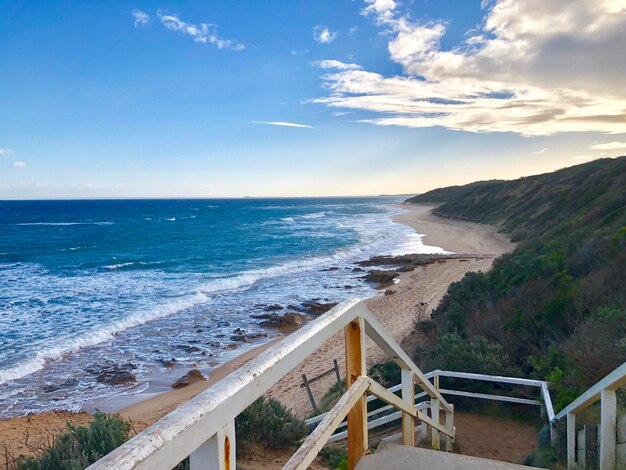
476 354
336 458
268 422
386 373
80 446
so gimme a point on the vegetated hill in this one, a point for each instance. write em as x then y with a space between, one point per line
555 308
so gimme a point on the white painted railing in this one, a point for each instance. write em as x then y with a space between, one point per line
204 430
382 416
604 391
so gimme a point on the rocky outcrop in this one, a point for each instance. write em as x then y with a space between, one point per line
242 336
273 308
113 374
288 321
317 308
381 277
194 375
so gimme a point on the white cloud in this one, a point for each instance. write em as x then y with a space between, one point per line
335 64
583 157
19 164
5 151
383 10
323 35
542 151
141 18
532 68
609 146
202 32
299 51
283 123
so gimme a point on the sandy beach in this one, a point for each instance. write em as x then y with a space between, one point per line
426 284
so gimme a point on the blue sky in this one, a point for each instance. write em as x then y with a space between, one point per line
139 99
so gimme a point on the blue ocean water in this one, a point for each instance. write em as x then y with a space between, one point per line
86 283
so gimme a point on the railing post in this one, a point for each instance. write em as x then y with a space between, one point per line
434 414
355 367
218 453
408 421
608 433
571 440
450 427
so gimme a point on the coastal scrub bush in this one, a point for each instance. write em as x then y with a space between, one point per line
385 373
556 303
476 354
268 422
80 446
336 458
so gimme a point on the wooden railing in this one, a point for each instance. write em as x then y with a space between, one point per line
204 429
384 415
604 391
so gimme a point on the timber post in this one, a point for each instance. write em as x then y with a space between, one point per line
355 367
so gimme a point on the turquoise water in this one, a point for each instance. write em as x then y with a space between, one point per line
86 283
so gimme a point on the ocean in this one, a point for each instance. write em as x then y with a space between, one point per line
85 285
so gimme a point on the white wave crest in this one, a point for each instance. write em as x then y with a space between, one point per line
314 215
68 346
118 266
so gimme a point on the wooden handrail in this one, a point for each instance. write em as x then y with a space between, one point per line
318 438
203 427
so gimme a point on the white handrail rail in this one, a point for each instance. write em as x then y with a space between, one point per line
374 421
192 428
603 391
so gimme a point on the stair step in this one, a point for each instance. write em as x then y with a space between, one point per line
404 458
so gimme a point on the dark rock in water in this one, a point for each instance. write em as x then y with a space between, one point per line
357 270
381 277
70 382
288 321
264 316
273 308
246 338
317 308
222 324
116 375
230 347
332 268
239 331
168 363
189 349
49 388
409 262
199 330
192 376
347 286
214 343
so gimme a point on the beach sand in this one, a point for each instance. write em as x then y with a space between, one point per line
427 284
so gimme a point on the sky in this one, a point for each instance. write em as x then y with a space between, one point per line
131 99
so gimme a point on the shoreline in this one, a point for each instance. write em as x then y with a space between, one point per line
426 284
460 237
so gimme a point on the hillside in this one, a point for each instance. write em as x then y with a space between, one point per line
555 308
